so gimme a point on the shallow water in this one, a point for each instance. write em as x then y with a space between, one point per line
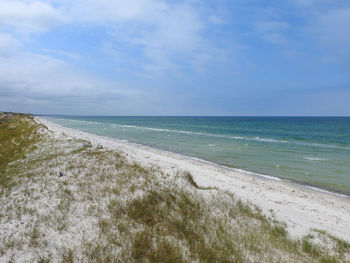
311 150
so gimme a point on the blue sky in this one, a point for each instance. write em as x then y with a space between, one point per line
139 57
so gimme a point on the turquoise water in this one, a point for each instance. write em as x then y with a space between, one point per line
309 150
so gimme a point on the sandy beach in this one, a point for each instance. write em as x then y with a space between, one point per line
301 208
181 131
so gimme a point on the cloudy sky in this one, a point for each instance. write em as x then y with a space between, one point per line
155 57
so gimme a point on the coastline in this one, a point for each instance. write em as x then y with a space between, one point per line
323 189
300 167
301 207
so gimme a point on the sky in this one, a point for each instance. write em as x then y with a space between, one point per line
156 57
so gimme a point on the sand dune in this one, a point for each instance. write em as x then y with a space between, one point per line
302 208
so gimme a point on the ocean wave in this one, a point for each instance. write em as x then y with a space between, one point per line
260 139
268 140
314 158
257 138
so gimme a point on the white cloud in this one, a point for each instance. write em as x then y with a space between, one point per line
32 73
28 16
328 28
162 35
42 84
164 32
8 45
39 77
102 11
176 31
322 24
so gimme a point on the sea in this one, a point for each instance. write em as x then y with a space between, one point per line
313 151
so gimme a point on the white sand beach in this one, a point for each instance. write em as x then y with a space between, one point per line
301 208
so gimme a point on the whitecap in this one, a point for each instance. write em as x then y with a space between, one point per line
257 138
314 158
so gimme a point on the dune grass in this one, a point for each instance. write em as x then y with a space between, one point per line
18 135
108 208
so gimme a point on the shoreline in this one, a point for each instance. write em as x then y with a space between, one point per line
239 170
314 187
258 175
302 207
321 188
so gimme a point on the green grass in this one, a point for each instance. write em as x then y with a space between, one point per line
18 135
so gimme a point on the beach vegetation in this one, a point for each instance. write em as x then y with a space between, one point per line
18 135
107 207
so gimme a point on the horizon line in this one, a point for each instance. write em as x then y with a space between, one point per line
285 116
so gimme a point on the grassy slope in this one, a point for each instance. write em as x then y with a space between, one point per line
18 134
107 208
